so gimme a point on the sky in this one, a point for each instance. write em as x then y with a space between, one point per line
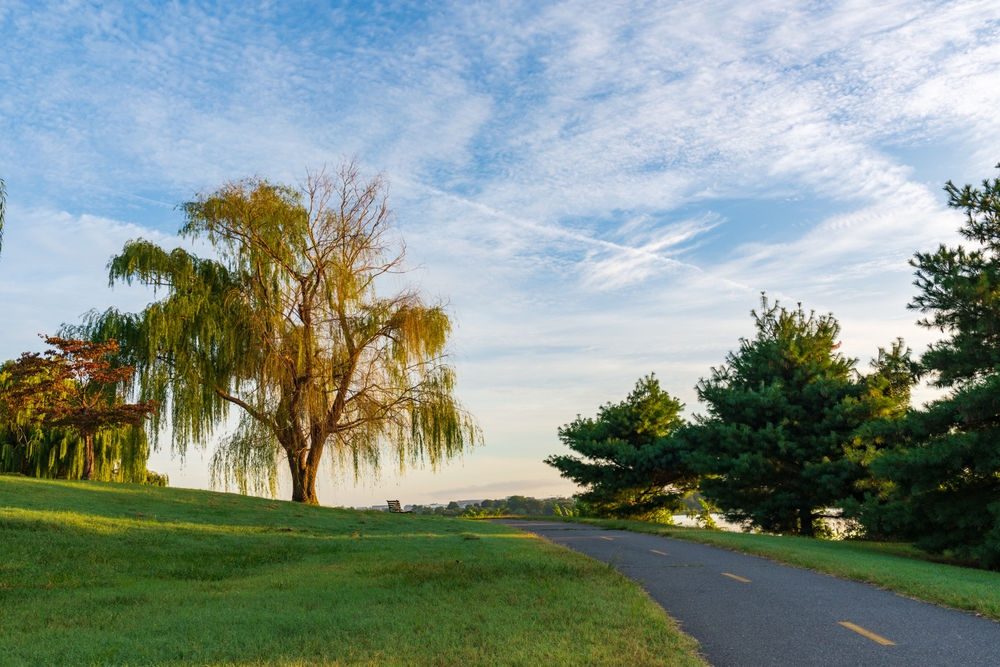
598 190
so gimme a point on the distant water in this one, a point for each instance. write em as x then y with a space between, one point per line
839 526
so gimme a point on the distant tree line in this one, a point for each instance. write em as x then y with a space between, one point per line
514 505
795 433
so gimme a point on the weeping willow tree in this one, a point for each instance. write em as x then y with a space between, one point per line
120 454
290 325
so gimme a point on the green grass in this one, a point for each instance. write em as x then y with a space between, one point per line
109 574
895 566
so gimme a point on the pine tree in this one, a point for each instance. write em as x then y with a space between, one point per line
783 414
943 479
629 465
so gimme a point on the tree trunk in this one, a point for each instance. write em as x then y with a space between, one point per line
303 478
806 522
88 456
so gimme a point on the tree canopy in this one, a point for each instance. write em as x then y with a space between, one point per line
942 480
783 412
74 388
295 324
627 463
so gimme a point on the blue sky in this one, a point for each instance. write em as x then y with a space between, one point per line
599 189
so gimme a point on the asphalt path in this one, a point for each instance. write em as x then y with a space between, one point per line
752 612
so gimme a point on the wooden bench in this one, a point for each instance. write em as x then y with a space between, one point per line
396 508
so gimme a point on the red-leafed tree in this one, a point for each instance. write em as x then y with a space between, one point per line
74 386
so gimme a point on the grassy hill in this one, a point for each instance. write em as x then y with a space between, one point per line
112 574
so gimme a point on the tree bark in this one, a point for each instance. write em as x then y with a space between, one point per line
806 519
303 478
88 456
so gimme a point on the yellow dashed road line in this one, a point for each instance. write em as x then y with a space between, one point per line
871 635
607 538
659 552
733 576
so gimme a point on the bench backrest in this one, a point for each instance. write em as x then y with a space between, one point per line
394 506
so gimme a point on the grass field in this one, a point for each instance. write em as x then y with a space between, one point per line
891 565
109 574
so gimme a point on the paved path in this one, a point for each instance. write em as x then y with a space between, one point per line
751 612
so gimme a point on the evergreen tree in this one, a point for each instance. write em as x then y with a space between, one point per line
628 464
943 479
783 414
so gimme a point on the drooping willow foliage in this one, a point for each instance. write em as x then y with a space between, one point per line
31 446
73 386
292 325
58 453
